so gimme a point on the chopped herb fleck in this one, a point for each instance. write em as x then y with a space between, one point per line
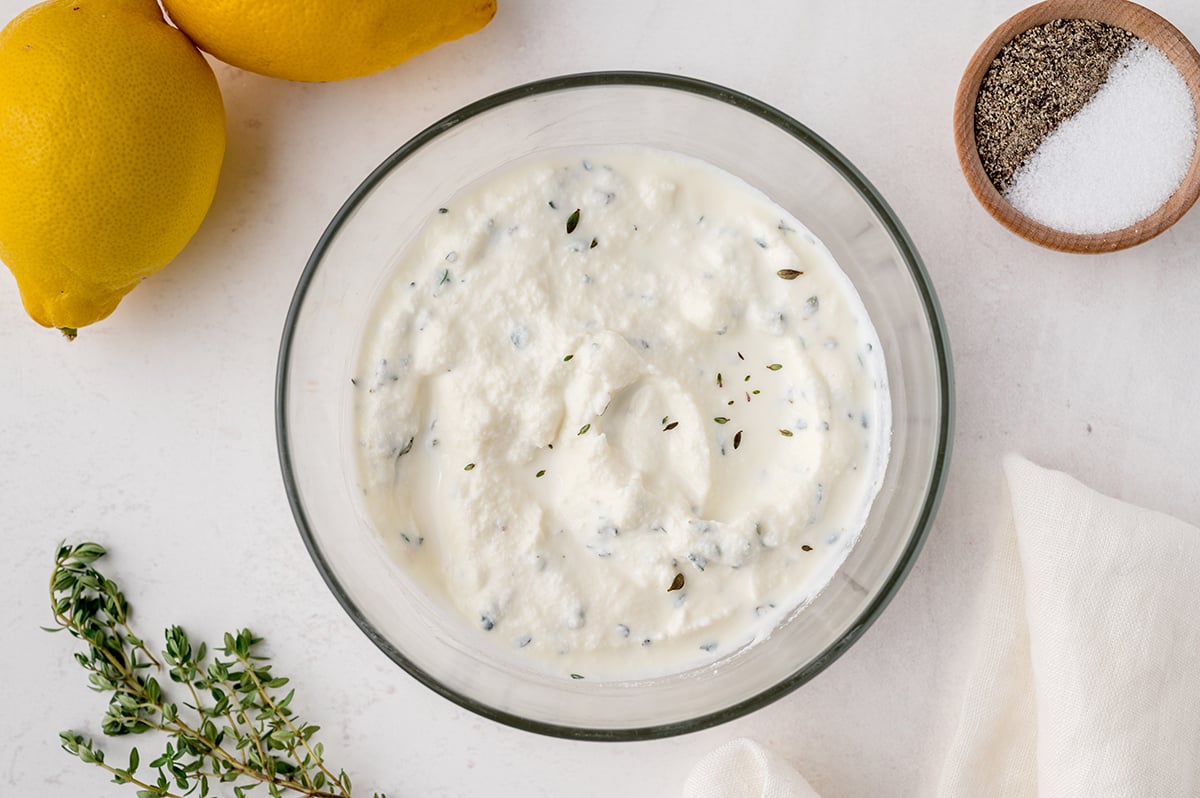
443 210
576 676
721 420
775 366
405 449
552 205
720 382
806 547
594 244
756 392
353 381
541 473
730 402
789 274
737 439
747 378
445 277
664 421
671 426
739 354
469 467
572 222
567 359
676 583
583 430
787 433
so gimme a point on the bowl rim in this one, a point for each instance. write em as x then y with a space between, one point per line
1141 22
899 237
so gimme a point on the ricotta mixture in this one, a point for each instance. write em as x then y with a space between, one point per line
620 410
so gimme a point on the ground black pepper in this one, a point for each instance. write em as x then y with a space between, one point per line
1041 78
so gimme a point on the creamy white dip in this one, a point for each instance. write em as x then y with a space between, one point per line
620 410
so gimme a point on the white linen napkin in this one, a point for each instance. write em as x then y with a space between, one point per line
742 768
1087 676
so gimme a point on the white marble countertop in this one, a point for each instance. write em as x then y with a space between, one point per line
153 432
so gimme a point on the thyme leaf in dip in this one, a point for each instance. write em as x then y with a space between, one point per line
721 420
583 430
469 467
788 274
775 366
572 222
676 583
737 439
787 433
671 426
405 449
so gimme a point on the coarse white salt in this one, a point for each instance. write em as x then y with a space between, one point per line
1120 158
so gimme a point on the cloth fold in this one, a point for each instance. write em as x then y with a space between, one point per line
1087 675
742 768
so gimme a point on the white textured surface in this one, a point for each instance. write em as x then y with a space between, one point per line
153 432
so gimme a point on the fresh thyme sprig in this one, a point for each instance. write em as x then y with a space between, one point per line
233 731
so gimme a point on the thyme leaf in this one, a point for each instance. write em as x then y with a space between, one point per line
572 221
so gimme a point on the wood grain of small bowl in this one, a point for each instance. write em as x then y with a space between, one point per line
1139 21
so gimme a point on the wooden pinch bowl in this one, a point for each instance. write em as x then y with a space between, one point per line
1139 21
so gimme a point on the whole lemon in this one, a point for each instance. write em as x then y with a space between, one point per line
322 40
112 133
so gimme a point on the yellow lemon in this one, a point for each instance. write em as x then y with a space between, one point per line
112 133
321 40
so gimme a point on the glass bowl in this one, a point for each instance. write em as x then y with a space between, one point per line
351 263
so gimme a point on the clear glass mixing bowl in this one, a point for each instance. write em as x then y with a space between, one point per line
351 262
